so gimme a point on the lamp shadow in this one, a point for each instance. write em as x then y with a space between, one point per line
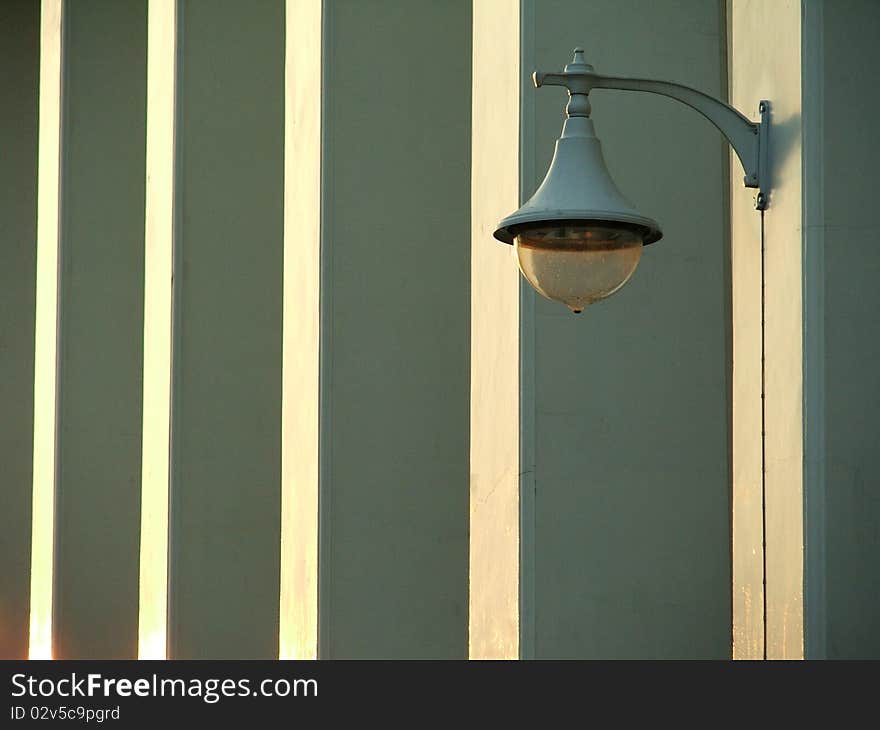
785 140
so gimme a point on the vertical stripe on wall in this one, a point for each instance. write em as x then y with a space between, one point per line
815 409
395 312
100 343
19 89
632 424
46 331
528 624
495 343
783 360
747 413
158 277
842 320
767 255
394 418
298 620
225 499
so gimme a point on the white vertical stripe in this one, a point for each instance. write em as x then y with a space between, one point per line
767 65
46 330
158 297
495 351
745 266
298 630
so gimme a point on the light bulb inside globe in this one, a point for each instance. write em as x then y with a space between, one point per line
577 264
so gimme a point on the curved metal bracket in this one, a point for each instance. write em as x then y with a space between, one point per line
748 139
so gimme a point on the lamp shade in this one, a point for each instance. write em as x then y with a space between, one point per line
578 190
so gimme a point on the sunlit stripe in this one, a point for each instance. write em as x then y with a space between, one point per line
747 421
46 331
783 330
298 630
756 46
158 272
495 390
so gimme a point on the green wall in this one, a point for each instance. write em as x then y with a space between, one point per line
625 408
631 406
101 323
226 421
850 154
19 81
395 330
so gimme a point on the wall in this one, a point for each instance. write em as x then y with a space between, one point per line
168 256
843 582
631 470
495 573
767 271
19 57
100 352
394 344
598 446
226 398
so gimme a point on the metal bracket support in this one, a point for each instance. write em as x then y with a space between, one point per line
750 140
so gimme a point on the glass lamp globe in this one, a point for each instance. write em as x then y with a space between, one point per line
577 263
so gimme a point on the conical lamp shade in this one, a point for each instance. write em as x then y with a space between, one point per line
578 190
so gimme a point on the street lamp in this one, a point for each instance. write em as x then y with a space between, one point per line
578 239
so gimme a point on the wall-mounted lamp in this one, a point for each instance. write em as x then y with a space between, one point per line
578 240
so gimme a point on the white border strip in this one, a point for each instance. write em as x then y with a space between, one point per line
158 327
298 618
494 600
46 330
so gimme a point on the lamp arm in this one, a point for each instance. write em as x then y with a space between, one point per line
748 139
